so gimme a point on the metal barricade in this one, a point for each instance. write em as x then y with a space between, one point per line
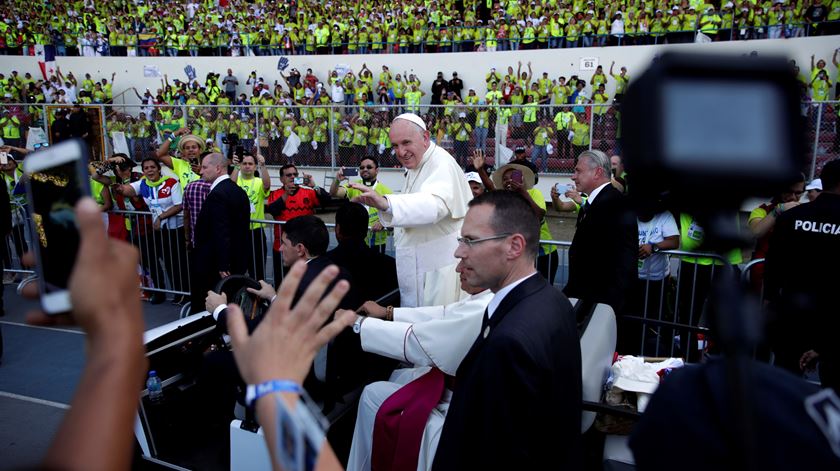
339 134
18 242
667 316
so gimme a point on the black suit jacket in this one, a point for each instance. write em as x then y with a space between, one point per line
517 396
603 258
222 230
374 274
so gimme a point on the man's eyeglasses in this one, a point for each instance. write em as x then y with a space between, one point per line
288 175
366 167
469 243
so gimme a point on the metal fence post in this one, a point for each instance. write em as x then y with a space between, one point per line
331 118
256 149
816 143
591 123
105 141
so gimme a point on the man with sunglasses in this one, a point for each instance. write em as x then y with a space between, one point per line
299 196
368 171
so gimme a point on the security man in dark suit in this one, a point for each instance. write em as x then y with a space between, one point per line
800 283
222 232
603 258
374 273
516 401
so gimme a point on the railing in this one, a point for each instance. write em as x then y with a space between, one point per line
552 134
664 316
434 40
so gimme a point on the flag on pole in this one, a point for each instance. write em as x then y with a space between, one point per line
46 60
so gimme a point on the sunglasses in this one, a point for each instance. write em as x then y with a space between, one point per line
366 167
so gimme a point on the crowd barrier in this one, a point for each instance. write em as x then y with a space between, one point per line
343 132
428 40
666 317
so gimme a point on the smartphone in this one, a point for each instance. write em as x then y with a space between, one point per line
4 158
350 172
57 178
516 176
240 151
299 180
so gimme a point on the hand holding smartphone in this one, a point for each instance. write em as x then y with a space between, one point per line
57 178
350 172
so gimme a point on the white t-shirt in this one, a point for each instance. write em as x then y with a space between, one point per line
655 231
160 198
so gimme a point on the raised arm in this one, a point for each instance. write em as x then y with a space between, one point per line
293 336
96 432
266 178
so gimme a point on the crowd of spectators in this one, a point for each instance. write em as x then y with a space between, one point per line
237 27
302 117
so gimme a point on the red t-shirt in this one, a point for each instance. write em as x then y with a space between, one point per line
302 203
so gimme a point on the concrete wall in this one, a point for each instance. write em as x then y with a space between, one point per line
471 66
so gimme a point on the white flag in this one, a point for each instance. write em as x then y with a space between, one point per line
120 143
34 137
292 145
505 153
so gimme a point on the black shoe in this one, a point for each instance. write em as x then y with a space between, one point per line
158 298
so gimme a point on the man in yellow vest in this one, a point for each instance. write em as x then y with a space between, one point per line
368 171
10 125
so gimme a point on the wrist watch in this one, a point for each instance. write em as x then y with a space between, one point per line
357 326
654 248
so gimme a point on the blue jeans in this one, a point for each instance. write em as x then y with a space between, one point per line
481 139
539 152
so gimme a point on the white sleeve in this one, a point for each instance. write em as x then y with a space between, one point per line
385 338
177 194
418 314
669 226
136 186
413 209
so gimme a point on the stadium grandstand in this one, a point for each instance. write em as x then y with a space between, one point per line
255 28
302 99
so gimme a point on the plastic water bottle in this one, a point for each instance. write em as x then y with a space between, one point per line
154 387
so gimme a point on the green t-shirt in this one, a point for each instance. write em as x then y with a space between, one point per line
545 232
379 238
256 196
184 172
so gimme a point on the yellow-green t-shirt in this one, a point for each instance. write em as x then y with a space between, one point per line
184 172
545 232
373 214
256 196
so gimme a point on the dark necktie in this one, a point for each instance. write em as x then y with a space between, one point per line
582 213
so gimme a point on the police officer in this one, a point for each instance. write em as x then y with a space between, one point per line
800 282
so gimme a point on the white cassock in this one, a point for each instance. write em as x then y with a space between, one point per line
437 336
427 218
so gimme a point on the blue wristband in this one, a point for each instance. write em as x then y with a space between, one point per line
256 391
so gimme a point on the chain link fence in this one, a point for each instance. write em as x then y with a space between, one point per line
336 135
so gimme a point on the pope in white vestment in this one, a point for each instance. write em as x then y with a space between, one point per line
426 216
432 336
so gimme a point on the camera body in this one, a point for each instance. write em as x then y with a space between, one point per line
698 121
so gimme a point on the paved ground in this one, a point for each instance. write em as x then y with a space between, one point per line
38 376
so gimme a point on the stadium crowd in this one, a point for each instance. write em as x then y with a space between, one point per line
349 111
237 27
